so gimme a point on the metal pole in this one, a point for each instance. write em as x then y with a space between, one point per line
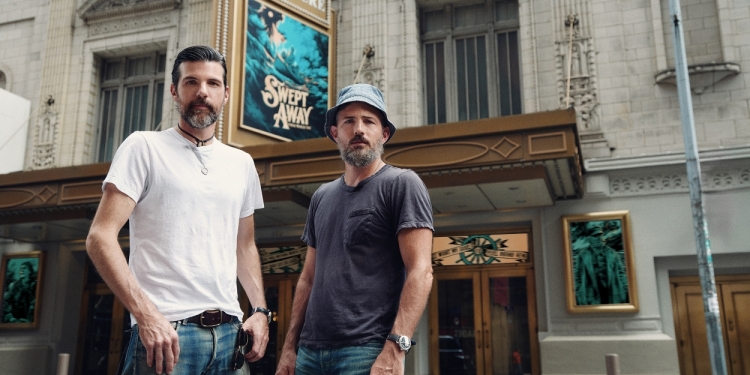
703 246
613 364
63 360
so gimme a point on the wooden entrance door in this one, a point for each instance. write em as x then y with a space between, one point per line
483 321
279 292
103 321
690 324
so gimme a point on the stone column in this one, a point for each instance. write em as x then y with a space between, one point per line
389 28
49 126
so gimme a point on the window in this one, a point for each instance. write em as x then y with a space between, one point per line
700 24
471 58
132 93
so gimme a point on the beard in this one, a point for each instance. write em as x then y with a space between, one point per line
198 119
363 156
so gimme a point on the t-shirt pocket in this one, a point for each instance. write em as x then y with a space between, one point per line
358 226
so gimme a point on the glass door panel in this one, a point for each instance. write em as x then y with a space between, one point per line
510 353
483 322
98 334
459 335
279 294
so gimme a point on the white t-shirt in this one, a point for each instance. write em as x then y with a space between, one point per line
183 230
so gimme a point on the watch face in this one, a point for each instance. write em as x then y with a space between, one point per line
404 343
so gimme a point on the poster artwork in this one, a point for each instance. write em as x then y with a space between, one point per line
19 289
480 249
286 75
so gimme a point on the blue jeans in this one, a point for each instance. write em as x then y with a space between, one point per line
347 360
204 351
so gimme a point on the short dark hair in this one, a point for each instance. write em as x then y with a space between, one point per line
198 53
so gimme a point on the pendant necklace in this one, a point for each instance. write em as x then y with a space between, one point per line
204 168
197 152
198 142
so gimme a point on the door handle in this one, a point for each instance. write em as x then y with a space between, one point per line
731 324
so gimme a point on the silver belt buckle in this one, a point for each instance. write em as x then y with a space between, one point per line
210 325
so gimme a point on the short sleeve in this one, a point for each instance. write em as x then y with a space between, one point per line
411 202
129 170
308 235
253 193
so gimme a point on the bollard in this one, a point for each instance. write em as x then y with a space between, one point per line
613 364
63 359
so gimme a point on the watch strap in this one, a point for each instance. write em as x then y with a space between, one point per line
265 312
397 339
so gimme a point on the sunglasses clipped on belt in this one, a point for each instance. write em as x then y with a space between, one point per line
243 339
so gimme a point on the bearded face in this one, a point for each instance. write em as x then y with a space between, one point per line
199 113
200 93
355 154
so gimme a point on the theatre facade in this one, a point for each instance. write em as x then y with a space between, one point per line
548 136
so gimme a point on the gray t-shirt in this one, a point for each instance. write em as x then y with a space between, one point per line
359 273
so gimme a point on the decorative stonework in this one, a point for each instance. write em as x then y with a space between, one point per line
577 73
163 19
371 74
678 182
106 10
44 140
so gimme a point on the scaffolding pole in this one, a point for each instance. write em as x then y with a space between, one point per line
703 246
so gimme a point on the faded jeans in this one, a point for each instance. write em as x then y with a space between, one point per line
348 360
204 351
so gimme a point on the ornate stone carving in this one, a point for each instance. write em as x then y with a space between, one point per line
130 24
371 74
678 182
102 10
44 141
577 84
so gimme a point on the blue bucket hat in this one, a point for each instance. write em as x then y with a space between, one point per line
359 92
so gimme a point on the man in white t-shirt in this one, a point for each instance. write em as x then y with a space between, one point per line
190 201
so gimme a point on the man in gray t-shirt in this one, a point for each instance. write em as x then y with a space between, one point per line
368 269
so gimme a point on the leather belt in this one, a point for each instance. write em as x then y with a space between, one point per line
210 318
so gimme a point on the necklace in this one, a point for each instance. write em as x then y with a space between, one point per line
204 168
197 152
198 142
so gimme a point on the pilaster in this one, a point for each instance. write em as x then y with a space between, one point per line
48 131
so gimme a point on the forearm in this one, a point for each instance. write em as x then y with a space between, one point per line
301 298
416 251
250 275
297 320
106 254
413 300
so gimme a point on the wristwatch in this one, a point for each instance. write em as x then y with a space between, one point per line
404 343
265 311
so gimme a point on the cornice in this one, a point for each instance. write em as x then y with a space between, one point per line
631 162
721 170
105 10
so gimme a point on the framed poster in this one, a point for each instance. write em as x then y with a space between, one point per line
286 73
21 286
599 265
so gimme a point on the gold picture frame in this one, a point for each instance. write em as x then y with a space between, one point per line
21 286
599 263
265 114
